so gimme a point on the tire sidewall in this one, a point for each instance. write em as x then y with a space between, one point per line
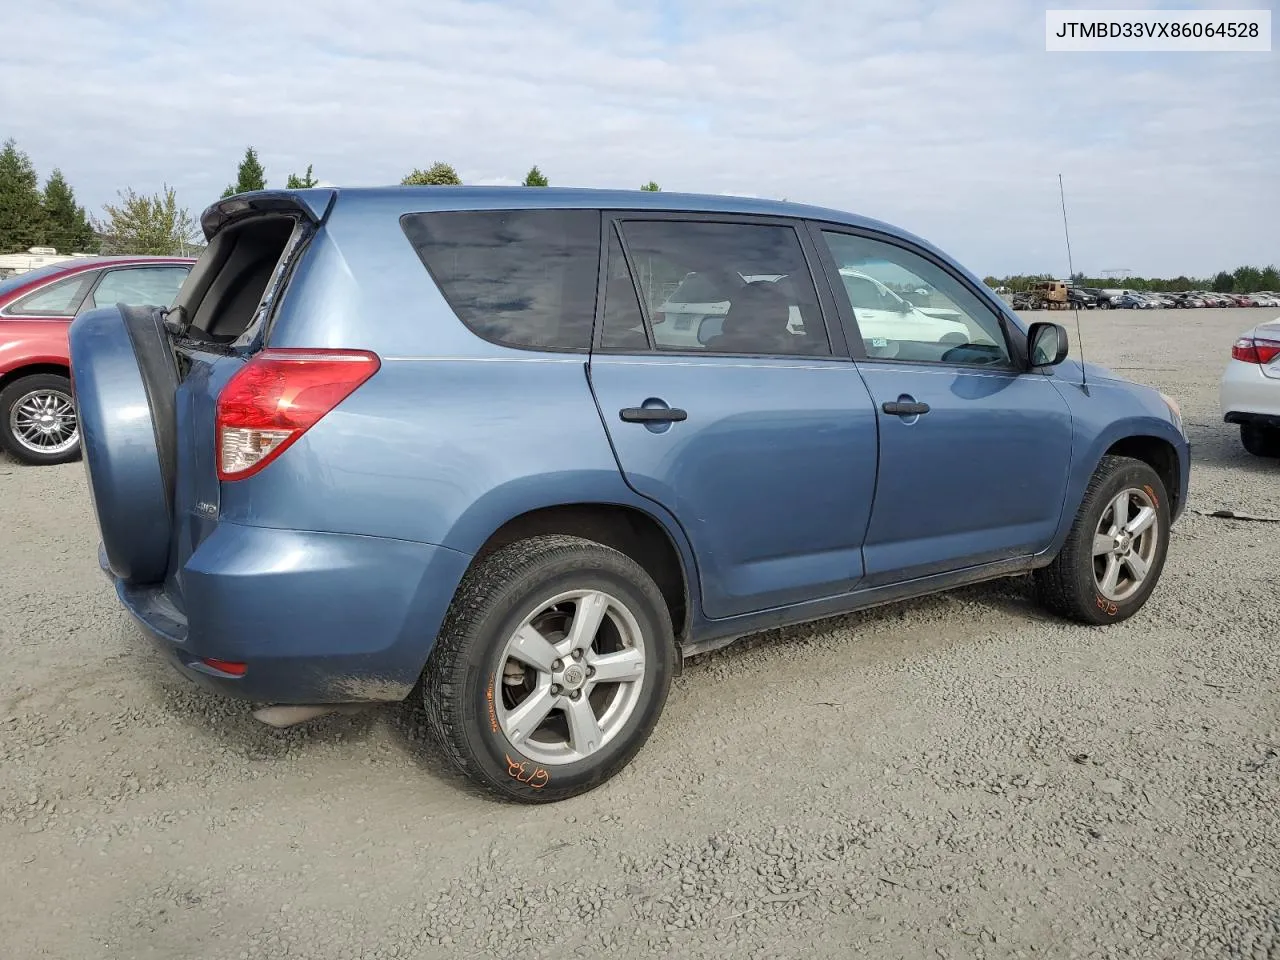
9 396
1132 476
510 769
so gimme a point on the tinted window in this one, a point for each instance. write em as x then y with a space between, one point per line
752 284
56 300
526 278
138 286
908 308
623 323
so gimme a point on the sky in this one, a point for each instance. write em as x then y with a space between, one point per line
945 117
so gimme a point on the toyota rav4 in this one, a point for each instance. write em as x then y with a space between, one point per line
436 443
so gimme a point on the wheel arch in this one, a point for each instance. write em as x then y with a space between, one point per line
1159 454
32 369
1152 440
626 528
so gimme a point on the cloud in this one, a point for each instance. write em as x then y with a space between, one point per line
948 118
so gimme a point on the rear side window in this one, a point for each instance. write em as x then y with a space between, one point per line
524 278
56 300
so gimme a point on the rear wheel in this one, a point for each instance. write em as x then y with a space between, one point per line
1259 440
1114 555
552 668
38 419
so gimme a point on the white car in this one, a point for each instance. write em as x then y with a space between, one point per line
884 318
1250 393
883 315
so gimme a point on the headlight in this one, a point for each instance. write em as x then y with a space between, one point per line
1174 409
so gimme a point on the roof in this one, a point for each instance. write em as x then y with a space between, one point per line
489 197
399 200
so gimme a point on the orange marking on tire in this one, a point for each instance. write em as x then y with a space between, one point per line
538 779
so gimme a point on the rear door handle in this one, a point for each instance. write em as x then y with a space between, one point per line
652 414
900 408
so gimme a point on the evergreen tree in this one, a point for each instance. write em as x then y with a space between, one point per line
301 182
21 212
652 187
535 178
250 175
66 226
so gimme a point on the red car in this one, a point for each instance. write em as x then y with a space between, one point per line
37 418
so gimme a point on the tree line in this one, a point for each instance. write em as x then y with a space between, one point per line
1247 279
139 223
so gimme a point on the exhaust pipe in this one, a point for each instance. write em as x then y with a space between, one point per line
281 715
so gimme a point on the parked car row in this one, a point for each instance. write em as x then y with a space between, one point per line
1090 298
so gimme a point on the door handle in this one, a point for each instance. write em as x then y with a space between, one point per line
900 408
652 414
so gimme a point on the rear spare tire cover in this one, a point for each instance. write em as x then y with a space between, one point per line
125 380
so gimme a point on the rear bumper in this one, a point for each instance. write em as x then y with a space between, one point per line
1248 395
315 617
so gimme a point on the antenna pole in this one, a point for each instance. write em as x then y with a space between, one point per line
1071 268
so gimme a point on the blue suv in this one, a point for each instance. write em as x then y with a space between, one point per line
516 452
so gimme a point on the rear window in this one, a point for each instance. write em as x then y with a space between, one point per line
524 278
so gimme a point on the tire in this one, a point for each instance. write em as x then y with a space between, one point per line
1260 441
1075 584
473 685
38 420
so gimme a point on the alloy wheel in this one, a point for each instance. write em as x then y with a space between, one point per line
44 422
571 677
1124 544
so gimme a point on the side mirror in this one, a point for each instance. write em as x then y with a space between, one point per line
1047 344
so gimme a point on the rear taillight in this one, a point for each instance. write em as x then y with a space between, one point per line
276 397
1253 350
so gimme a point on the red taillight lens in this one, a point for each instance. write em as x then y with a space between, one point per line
1252 350
276 397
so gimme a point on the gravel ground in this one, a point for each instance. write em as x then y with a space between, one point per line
955 777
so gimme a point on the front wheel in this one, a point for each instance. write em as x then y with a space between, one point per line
1115 552
552 668
1260 441
38 420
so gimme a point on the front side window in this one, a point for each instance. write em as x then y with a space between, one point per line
140 286
56 300
725 288
524 278
908 308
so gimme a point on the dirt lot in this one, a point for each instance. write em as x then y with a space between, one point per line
957 777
